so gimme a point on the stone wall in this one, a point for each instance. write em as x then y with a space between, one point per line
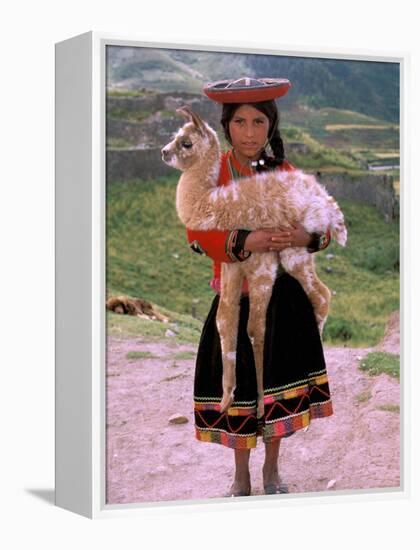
374 189
158 120
129 164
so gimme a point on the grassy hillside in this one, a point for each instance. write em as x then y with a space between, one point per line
148 257
333 137
344 129
147 251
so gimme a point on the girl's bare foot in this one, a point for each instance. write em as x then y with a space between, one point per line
242 482
241 486
271 479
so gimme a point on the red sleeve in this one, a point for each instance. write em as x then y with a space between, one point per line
211 243
287 166
215 243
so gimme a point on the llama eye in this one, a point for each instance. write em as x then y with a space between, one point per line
186 144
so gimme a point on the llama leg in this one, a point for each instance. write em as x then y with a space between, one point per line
260 283
227 320
301 266
321 302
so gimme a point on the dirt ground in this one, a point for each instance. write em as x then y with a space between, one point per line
150 459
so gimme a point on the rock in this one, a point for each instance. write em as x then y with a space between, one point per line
178 419
170 333
331 483
329 256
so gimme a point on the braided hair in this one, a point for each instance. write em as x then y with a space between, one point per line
269 108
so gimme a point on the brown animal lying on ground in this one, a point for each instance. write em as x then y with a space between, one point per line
134 306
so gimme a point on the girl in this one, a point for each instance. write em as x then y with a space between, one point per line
295 379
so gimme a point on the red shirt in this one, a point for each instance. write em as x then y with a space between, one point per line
213 243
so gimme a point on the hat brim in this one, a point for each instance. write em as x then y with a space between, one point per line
267 89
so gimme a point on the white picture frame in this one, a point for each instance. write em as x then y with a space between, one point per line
80 271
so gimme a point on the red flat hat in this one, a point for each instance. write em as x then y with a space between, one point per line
246 90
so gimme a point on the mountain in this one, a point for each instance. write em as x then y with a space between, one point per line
367 87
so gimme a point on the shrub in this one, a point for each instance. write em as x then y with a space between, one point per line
339 329
380 361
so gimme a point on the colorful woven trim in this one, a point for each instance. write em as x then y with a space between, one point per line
234 245
230 244
286 411
228 440
324 240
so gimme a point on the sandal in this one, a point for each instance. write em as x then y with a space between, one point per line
273 489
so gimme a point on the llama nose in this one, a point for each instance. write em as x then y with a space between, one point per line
165 153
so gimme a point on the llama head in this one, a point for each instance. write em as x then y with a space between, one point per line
194 142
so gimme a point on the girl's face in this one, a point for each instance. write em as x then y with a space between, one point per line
248 130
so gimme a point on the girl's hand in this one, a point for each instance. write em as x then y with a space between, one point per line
277 239
299 235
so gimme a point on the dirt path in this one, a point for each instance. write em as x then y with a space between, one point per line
151 459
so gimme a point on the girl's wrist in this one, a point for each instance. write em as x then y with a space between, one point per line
235 245
318 241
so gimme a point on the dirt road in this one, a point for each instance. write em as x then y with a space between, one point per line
150 459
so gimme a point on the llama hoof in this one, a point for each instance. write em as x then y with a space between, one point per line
226 403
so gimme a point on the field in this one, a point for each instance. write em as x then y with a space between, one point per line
148 257
363 140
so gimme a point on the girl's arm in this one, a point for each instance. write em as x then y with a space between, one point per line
265 240
220 246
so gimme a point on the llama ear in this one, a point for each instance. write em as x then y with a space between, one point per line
189 114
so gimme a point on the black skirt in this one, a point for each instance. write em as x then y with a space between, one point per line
295 378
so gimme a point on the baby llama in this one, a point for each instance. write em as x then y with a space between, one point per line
266 200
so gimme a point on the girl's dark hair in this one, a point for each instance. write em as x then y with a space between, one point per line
269 108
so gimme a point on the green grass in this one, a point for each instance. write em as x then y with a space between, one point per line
364 277
120 143
188 329
315 122
180 356
147 251
184 355
143 92
119 113
390 408
139 355
148 257
319 155
378 362
363 397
